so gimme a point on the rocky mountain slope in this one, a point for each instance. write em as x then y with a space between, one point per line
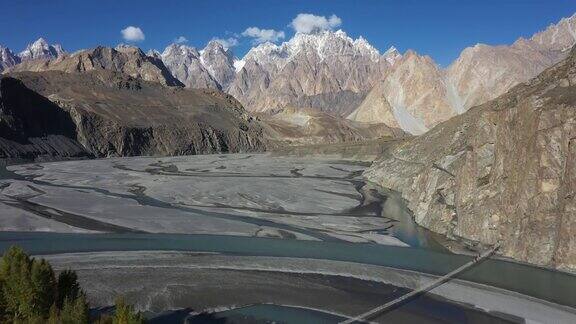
427 95
126 59
211 67
310 126
503 172
105 113
411 96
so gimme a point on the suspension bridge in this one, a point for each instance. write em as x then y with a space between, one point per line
414 293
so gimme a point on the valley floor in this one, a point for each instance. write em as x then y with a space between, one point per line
254 229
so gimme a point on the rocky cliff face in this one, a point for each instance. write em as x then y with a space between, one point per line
483 72
104 113
428 95
126 59
504 171
185 64
219 62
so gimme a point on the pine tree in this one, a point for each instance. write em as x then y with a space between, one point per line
75 311
3 311
17 290
125 314
44 287
68 287
54 316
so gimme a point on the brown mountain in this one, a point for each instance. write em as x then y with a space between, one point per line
503 172
53 115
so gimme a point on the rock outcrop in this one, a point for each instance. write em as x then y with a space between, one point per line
104 113
503 172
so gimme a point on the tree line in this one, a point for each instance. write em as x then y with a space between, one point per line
30 292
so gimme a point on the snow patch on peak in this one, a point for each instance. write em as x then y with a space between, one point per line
324 43
154 53
180 50
392 55
239 65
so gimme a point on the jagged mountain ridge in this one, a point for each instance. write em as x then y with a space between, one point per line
309 71
212 67
265 78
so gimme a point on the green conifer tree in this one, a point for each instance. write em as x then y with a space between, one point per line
17 290
75 311
125 313
44 287
68 287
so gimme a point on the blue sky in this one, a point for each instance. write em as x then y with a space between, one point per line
440 29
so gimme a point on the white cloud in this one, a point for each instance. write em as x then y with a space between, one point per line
180 40
263 35
227 42
309 23
132 34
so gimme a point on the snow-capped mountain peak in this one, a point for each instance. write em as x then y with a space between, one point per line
41 49
323 43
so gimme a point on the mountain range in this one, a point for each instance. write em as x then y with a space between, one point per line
330 72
